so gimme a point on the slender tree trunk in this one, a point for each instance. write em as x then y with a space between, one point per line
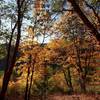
65 77
82 83
45 83
27 80
9 70
81 74
79 65
31 80
13 29
68 80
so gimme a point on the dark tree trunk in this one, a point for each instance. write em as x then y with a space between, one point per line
27 79
68 80
81 74
82 83
80 70
31 80
85 19
95 13
9 70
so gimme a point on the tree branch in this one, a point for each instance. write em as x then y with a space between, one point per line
96 14
85 19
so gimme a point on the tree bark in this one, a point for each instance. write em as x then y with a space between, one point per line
31 79
27 79
9 70
85 19
82 83
68 80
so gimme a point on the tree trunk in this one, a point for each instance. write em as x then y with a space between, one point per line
68 80
31 80
27 84
9 70
82 83
85 19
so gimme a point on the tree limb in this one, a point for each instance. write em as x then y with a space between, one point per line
96 14
85 19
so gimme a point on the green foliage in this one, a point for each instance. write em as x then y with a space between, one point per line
57 5
38 87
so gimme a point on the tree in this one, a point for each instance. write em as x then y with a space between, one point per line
77 34
58 56
9 70
85 19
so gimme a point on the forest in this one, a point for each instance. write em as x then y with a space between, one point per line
50 49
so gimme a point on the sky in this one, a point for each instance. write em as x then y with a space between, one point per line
27 23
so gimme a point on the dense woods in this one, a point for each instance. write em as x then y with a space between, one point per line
49 49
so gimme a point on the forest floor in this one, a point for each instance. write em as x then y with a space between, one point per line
60 97
74 97
13 95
